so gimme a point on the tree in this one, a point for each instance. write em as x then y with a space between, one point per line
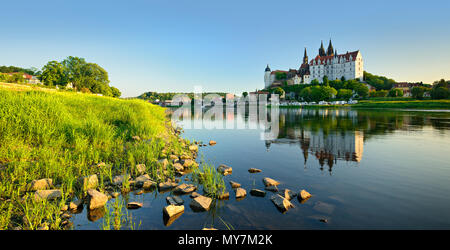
344 94
325 80
279 91
52 74
378 93
417 92
115 92
244 94
362 90
395 92
73 70
440 93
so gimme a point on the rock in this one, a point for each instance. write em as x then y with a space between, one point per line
224 196
138 192
224 169
174 158
140 169
66 216
43 226
185 157
194 194
96 199
270 182
148 184
88 182
134 205
47 194
115 194
174 200
234 184
188 163
323 220
185 188
254 170
117 180
211 228
95 214
272 189
282 203
163 163
211 143
65 208
240 193
257 192
41 184
288 194
303 195
142 178
163 186
200 203
193 148
172 210
74 205
178 167
101 164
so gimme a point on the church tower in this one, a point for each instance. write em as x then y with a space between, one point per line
330 49
305 58
322 50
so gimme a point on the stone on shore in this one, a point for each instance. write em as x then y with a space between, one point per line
148 184
41 184
143 178
96 199
74 205
282 203
174 200
163 186
178 167
270 182
193 148
173 158
254 170
288 194
194 194
234 184
224 169
47 194
88 182
140 169
224 196
200 203
163 163
185 188
172 210
134 205
212 142
119 179
304 195
272 189
188 163
240 193
257 192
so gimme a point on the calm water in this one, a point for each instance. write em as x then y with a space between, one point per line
365 170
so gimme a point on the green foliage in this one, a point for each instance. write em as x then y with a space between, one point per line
418 92
378 93
379 82
13 69
53 74
344 94
244 94
440 93
395 92
211 180
317 93
280 75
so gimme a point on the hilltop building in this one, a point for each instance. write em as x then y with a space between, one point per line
327 63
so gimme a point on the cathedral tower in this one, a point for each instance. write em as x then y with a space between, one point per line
330 50
322 50
305 58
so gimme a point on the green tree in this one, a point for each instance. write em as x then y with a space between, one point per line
440 93
344 94
418 92
361 89
115 92
395 92
52 74
245 94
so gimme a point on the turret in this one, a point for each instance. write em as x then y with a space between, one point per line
267 79
330 49
322 50
305 58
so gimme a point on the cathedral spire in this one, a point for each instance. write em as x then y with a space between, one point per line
330 51
305 58
322 50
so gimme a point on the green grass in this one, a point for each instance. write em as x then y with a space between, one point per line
211 180
63 135
404 104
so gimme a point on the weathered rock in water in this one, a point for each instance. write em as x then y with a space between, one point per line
224 169
66 216
47 194
88 182
134 205
240 193
173 158
138 192
163 163
174 200
194 194
178 167
323 220
211 228
224 196
143 178
119 179
163 186
304 195
186 157
193 148
96 199
41 184
115 194
282 203
200 203
148 184
185 189
212 142
270 182
254 170
257 192
288 194
234 184
95 214
74 205
172 210
188 163
140 169
272 189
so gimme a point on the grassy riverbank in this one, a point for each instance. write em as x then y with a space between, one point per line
404 104
66 135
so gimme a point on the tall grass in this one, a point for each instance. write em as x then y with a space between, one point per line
211 180
63 135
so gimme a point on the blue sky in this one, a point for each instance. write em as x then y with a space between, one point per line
225 45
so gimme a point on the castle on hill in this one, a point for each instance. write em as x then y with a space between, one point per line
348 66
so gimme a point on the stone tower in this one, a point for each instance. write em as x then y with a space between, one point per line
267 81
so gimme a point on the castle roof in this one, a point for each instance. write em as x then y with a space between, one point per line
324 59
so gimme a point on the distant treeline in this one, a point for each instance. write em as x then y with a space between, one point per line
13 69
153 96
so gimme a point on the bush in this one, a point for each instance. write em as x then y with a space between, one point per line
395 92
378 93
344 94
440 93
